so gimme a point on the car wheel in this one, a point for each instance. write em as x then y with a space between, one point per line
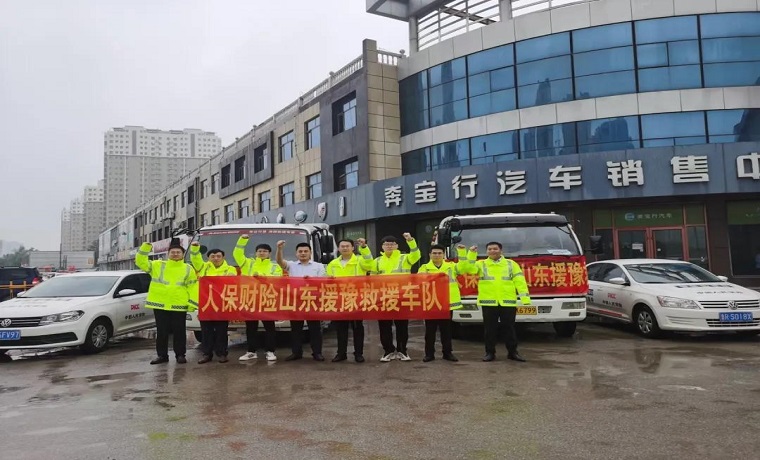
565 328
646 322
198 336
97 336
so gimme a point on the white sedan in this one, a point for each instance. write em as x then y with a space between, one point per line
657 295
79 309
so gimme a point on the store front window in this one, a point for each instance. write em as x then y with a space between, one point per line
744 237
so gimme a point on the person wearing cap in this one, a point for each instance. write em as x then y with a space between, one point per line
304 267
214 332
391 262
172 293
348 264
260 265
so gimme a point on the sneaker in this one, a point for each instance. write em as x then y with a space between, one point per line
402 356
271 356
387 358
249 356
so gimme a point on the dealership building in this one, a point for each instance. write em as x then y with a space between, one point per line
639 120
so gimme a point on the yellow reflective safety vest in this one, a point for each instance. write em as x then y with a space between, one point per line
396 264
250 266
452 270
207 268
352 268
173 283
500 282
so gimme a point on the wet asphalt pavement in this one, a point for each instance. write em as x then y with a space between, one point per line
603 394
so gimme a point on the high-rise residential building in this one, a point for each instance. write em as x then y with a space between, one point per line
139 163
76 233
65 230
94 213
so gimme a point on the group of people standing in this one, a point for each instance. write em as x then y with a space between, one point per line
174 291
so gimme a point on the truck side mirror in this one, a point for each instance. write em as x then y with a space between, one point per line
595 245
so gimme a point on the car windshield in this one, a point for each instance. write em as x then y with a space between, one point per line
72 286
227 239
523 241
670 273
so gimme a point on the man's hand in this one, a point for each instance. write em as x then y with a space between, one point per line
361 242
281 244
245 237
474 248
461 246
408 236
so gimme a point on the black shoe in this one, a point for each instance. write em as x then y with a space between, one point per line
182 360
489 357
450 357
516 357
317 356
160 360
204 360
428 358
339 357
293 357
223 359
359 358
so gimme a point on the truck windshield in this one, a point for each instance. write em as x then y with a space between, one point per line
226 240
523 241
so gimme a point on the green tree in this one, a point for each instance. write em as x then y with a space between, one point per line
17 258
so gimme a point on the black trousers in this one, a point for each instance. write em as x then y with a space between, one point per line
491 318
386 334
315 337
170 322
431 326
341 328
214 338
270 335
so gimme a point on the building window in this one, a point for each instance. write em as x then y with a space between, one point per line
346 174
265 201
413 98
546 141
314 186
287 194
176 200
544 71
214 183
260 159
181 200
191 194
491 81
604 135
229 213
190 224
493 147
240 169
215 217
312 133
668 54
243 208
204 220
744 237
669 129
603 61
226 176
344 114
447 92
733 126
204 189
731 49
286 146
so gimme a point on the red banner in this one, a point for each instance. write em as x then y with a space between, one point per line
240 298
545 275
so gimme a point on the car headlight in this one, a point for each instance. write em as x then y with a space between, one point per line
675 302
573 305
61 317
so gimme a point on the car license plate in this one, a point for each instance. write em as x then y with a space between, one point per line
527 311
736 317
10 335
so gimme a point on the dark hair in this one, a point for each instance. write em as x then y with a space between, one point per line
389 239
437 246
215 251
264 246
494 242
347 241
303 245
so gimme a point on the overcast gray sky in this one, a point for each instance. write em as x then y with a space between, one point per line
70 70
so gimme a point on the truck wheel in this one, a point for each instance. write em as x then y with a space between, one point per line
198 336
565 328
646 322
97 336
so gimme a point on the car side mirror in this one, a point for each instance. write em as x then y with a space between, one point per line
618 280
126 293
723 278
595 245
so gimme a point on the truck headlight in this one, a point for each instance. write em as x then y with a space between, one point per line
675 302
573 305
61 317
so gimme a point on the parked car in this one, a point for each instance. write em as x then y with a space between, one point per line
23 277
79 309
659 294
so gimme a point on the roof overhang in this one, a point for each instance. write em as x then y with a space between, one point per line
403 10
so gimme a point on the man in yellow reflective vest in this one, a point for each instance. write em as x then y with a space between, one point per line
391 262
214 332
172 293
348 264
260 265
500 282
437 264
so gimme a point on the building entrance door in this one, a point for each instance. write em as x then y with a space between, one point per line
652 243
